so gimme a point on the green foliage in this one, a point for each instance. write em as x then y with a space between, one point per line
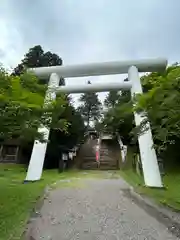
36 57
99 125
119 117
21 107
111 99
90 107
60 115
76 124
162 106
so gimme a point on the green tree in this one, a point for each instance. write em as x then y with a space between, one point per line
161 105
99 125
62 112
65 123
21 107
90 107
36 57
111 99
119 117
76 124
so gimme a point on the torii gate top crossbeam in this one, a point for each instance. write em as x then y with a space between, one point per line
106 68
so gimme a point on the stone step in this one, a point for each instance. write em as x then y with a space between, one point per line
89 163
108 162
89 159
108 165
89 156
106 154
105 161
106 158
90 166
108 168
93 168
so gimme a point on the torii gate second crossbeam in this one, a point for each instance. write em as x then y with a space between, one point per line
150 166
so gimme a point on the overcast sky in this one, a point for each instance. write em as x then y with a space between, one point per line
82 31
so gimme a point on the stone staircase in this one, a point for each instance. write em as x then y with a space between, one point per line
87 155
89 163
109 155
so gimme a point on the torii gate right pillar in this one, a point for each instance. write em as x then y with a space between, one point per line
152 177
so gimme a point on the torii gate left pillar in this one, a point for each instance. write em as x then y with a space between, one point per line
39 149
150 166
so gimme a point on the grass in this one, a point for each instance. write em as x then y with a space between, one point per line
170 196
17 200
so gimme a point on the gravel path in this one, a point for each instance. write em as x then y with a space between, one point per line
99 209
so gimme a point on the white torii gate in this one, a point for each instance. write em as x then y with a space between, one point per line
150 166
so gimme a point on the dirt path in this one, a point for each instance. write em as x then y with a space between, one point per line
96 209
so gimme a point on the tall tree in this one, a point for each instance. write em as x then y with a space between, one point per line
67 125
111 99
36 57
119 119
90 107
